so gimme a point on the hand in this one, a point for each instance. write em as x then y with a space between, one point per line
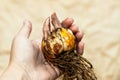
26 58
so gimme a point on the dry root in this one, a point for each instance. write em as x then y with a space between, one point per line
74 66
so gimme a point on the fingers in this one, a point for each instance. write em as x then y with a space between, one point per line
26 29
67 22
74 28
55 21
80 48
50 24
79 36
46 28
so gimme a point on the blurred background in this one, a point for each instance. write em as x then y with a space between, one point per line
98 19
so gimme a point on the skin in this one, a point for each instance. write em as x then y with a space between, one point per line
26 59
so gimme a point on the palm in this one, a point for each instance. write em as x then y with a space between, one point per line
33 60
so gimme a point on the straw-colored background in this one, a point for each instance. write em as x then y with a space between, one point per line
98 19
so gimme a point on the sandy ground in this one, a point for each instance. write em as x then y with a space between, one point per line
98 19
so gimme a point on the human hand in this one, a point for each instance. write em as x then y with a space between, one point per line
27 59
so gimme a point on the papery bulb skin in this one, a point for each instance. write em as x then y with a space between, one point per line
58 41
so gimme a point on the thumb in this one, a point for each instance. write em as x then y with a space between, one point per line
26 29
